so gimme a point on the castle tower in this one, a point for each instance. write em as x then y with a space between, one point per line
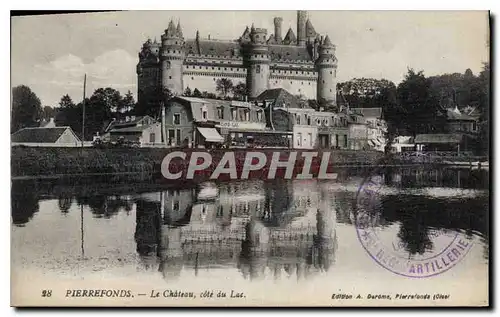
172 58
148 75
326 65
258 60
277 29
301 28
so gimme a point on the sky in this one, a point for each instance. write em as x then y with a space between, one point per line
52 53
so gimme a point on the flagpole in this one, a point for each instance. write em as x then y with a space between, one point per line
83 104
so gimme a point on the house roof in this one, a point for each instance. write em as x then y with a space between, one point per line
39 135
282 98
124 124
439 138
139 128
196 105
455 114
369 112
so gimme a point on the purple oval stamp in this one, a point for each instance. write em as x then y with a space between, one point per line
435 252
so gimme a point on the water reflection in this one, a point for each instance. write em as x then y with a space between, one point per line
24 202
280 229
256 227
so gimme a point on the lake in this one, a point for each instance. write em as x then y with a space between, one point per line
253 234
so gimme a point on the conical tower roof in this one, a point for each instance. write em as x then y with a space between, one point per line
327 41
179 29
171 31
310 32
290 36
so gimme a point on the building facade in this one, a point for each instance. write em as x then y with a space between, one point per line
198 122
304 64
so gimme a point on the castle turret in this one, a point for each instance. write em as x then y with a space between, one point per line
301 28
147 70
172 58
326 65
258 60
277 30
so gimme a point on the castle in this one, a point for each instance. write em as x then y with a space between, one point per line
303 65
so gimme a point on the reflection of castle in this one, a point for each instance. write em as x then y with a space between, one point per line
253 226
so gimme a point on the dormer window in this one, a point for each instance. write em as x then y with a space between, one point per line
204 113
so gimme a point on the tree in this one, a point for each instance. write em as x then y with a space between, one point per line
224 86
48 112
240 91
187 92
197 93
126 104
159 96
26 108
365 92
69 114
208 95
421 107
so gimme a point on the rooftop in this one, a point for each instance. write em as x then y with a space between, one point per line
39 135
439 138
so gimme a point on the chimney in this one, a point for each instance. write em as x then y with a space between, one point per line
301 28
277 29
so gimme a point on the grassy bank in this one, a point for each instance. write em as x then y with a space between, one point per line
52 162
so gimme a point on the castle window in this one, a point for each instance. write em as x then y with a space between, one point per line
296 72
177 118
302 83
291 82
192 78
218 68
323 81
297 118
330 90
220 112
302 72
225 68
257 70
247 115
259 115
308 120
169 77
213 67
168 51
330 72
233 114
